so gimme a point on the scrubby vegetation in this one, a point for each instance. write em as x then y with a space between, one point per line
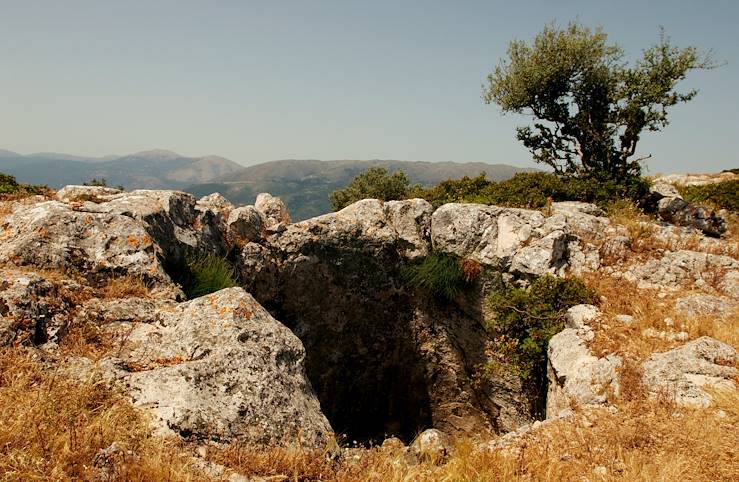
525 319
534 190
9 187
441 275
722 195
374 183
200 275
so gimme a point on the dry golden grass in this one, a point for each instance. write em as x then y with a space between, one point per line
619 296
125 287
51 428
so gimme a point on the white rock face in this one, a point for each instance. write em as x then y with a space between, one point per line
700 304
675 269
214 202
411 219
575 374
274 211
221 368
430 445
70 194
684 372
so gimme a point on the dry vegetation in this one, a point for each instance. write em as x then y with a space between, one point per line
54 429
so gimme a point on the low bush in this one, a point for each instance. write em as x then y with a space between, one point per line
534 190
10 187
200 275
439 275
722 195
526 319
374 183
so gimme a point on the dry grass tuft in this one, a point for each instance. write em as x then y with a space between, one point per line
52 428
125 287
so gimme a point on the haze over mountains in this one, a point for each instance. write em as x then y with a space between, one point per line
304 185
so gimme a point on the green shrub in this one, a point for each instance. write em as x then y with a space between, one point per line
723 195
374 183
439 275
206 274
534 190
8 185
526 319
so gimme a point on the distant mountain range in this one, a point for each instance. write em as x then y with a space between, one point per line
304 185
156 169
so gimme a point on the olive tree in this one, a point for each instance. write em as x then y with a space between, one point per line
590 105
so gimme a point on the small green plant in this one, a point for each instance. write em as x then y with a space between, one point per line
723 195
205 274
440 275
526 319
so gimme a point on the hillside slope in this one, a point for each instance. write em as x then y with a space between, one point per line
305 185
156 169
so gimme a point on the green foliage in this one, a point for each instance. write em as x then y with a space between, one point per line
374 183
439 275
206 274
8 185
723 195
590 105
96 182
534 190
526 319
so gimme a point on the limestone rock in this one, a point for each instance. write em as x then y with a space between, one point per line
246 224
684 372
214 202
51 235
274 211
430 445
701 304
411 219
574 373
69 194
677 268
221 368
667 202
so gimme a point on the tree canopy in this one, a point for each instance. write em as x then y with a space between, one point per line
591 106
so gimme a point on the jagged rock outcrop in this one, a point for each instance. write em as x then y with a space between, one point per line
667 202
218 368
274 211
575 375
684 372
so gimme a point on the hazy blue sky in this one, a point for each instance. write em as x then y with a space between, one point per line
257 81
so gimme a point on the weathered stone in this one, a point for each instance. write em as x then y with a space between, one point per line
274 210
221 368
430 445
684 372
96 194
246 224
411 219
575 374
700 304
214 202
676 269
667 202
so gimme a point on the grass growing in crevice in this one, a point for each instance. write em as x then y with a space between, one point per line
201 274
524 321
440 275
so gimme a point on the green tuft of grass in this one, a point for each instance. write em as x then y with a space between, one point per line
207 274
439 275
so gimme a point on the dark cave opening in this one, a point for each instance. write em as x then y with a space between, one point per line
362 358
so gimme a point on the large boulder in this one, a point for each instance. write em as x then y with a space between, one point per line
219 368
669 205
245 224
685 372
51 235
575 375
274 211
